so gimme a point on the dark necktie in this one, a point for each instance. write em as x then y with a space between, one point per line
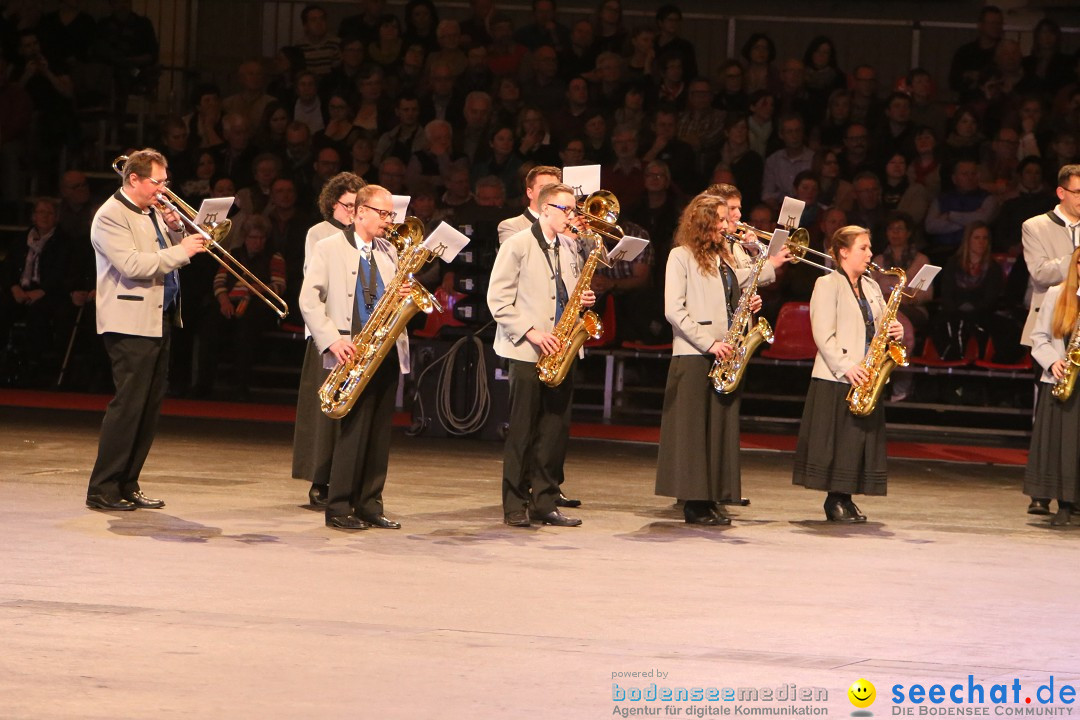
561 296
172 284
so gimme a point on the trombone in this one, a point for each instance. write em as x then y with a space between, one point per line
601 213
798 243
213 234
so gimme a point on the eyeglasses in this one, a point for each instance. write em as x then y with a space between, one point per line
155 182
1074 193
383 214
568 210
348 206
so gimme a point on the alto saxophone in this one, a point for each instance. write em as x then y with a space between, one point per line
342 388
884 354
744 338
573 329
1063 388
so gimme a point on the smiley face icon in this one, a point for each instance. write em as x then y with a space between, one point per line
862 693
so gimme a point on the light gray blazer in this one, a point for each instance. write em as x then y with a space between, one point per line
1047 250
838 326
695 303
521 292
131 268
314 234
516 224
1045 348
328 295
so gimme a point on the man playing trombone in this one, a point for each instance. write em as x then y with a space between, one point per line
139 248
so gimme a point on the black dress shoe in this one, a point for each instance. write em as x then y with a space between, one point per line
697 513
853 511
100 502
835 511
516 518
141 501
1039 506
1062 517
381 521
346 522
563 501
556 518
317 495
720 515
743 502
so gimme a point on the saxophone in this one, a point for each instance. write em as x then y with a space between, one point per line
1063 388
573 328
342 388
884 354
743 337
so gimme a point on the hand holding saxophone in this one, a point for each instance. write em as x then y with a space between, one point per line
857 375
406 289
721 350
547 342
755 303
343 350
896 331
1058 369
588 298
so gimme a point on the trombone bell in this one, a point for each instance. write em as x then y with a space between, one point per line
601 212
798 243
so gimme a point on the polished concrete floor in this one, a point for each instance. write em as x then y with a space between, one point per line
236 602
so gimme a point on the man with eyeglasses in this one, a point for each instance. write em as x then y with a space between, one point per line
344 280
139 249
313 433
532 277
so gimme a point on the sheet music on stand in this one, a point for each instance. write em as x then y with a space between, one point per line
627 249
923 278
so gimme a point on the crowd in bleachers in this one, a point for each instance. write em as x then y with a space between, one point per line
455 111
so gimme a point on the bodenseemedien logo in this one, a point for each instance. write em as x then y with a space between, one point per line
862 694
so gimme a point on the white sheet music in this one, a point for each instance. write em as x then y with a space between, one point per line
584 179
790 213
779 237
213 211
627 249
924 277
401 206
445 242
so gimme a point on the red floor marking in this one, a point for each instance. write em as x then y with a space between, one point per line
593 431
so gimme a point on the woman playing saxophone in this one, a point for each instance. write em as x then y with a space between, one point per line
1053 468
699 430
839 452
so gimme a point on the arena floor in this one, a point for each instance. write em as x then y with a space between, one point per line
236 602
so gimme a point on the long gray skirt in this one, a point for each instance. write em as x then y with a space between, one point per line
314 432
699 435
1053 468
837 451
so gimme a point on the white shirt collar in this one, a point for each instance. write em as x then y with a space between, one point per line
1070 225
134 204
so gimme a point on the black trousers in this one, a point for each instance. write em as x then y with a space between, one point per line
536 440
362 448
140 369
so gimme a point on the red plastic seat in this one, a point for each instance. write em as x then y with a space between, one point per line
932 358
646 347
607 334
794 336
987 360
438 320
